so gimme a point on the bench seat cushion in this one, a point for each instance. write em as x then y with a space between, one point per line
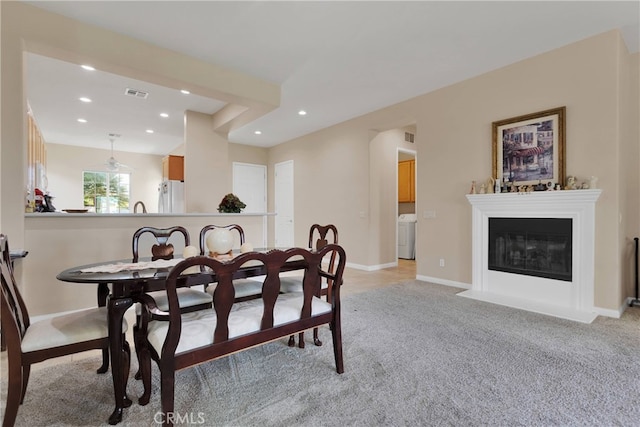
294 284
187 297
68 329
243 288
198 327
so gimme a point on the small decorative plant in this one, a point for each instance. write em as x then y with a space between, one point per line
231 204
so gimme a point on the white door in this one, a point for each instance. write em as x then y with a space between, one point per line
284 204
250 185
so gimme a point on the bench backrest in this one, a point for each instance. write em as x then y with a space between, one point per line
274 263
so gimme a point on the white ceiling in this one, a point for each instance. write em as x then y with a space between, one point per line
336 60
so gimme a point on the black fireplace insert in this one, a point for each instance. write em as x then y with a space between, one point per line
538 247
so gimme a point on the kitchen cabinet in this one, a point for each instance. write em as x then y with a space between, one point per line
407 181
36 157
173 168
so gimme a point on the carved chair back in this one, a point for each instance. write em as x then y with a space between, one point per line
207 228
15 318
319 233
162 249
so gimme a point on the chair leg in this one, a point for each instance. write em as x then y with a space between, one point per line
127 358
292 341
137 345
301 340
136 328
105 361
144 368
26 370
14 393
316 340
336 334
167 398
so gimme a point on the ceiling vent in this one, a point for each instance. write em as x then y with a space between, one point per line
136 93
114 135
408 137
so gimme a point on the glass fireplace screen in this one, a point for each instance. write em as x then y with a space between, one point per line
538 247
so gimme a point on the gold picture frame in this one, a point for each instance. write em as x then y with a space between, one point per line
530 149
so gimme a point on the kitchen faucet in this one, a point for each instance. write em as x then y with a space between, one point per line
135 207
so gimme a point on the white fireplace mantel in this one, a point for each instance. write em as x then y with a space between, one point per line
570 300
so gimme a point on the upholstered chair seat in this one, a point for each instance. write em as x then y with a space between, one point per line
68 329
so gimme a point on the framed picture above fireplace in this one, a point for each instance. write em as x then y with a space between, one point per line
530 149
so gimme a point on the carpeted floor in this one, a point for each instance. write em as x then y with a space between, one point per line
415 354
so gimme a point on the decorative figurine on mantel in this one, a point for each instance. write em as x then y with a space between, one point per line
571 183
540 186
490 185
483 189
473 188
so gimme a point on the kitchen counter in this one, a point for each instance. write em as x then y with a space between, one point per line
142 215
59 240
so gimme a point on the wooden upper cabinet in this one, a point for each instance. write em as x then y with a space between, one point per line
173 168
36 157
407 181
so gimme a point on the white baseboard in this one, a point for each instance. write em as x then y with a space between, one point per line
445 282
372 267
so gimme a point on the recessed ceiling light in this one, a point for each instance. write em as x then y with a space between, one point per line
258 132
302 113
185 92
165 115
88 67
82 120
85 99
149 130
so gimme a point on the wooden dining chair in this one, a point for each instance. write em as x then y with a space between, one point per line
190 299
28 343
245 288
318 239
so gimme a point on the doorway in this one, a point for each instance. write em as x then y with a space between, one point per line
406 214
250 185
283 183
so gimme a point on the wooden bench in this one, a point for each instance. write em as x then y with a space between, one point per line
176 341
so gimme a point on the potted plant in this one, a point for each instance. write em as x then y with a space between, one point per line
231 204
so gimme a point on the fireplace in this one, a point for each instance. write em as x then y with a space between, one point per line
535 251
539 247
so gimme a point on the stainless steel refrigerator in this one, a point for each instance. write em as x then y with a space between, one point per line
171 197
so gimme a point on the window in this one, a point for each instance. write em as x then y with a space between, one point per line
106 192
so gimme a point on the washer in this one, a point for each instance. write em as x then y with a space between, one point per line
407 236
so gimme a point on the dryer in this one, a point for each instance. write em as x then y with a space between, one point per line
407 236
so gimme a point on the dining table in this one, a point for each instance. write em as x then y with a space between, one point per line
119 285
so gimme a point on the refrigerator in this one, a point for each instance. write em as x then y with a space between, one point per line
171 197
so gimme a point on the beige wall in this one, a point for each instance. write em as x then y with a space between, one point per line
629 170
66 163
207 172
248 154
454 141
331 181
